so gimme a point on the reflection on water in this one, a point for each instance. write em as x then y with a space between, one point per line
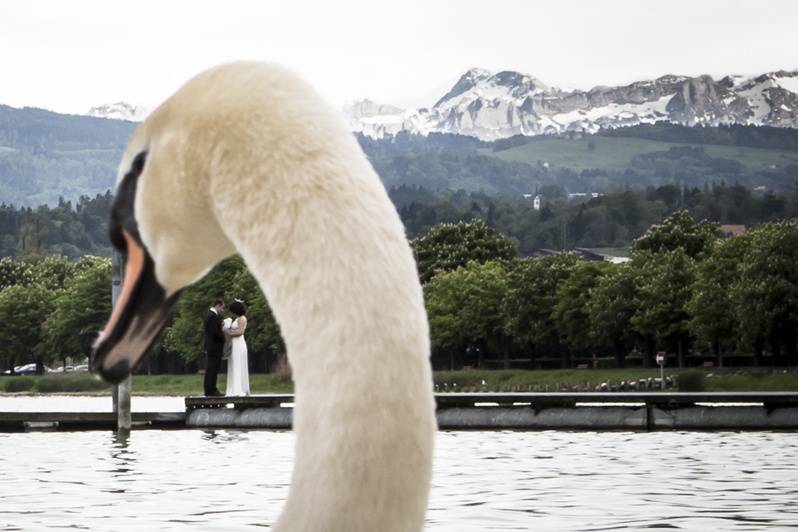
237 480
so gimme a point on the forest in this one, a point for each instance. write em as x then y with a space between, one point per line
612 220
686 291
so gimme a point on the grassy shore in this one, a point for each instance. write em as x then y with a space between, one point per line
733 379
715 380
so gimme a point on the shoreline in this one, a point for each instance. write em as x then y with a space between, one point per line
470 380
638 412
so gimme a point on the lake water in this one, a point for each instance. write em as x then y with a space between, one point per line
483 481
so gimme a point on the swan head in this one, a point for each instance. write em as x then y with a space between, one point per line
164 249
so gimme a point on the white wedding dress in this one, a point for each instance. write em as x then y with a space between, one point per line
237 364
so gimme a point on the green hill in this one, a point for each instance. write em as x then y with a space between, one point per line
618 153
46 155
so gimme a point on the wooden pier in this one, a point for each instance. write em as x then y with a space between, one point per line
640 411
539 411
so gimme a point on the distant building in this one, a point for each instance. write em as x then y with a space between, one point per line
535 200
583 195
729 230
582 253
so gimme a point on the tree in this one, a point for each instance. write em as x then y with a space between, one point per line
663 289
465 308
766 294
80 310
713 319
14 272
23 312
571 313
531 299
611 307
679 231
449 246
51 271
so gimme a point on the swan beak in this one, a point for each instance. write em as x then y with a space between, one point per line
140 314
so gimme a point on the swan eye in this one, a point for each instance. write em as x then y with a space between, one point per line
123 217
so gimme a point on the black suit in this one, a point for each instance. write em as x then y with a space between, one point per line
214 345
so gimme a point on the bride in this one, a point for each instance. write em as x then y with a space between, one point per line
237 365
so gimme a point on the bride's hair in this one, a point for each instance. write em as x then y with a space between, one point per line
238 308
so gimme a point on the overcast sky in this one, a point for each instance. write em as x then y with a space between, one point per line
71 55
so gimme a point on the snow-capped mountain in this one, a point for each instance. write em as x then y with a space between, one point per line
492 106
119 111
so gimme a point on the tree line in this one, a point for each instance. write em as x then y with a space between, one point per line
69 229
685 291
612 220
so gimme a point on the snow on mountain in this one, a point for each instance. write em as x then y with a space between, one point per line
119 111
380 120
492 106
497 105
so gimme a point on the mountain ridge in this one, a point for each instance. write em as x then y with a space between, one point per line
493 106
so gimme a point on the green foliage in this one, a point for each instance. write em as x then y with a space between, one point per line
532 297
724 135
713 320
659 154
14 273
50 271
18 384
448 162
571 313
679 231
682 284
465 306
449 246
45 156
23 310
664 284
765 294
49 155
611 308
75 382
68 230
611 220
80 310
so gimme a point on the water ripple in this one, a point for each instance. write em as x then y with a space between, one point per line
497 481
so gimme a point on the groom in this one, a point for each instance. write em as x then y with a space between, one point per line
214 345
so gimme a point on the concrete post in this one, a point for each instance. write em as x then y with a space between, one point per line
121 391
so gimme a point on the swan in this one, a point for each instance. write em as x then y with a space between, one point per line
246 158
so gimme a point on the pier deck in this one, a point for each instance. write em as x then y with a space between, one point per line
573 411
642 411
